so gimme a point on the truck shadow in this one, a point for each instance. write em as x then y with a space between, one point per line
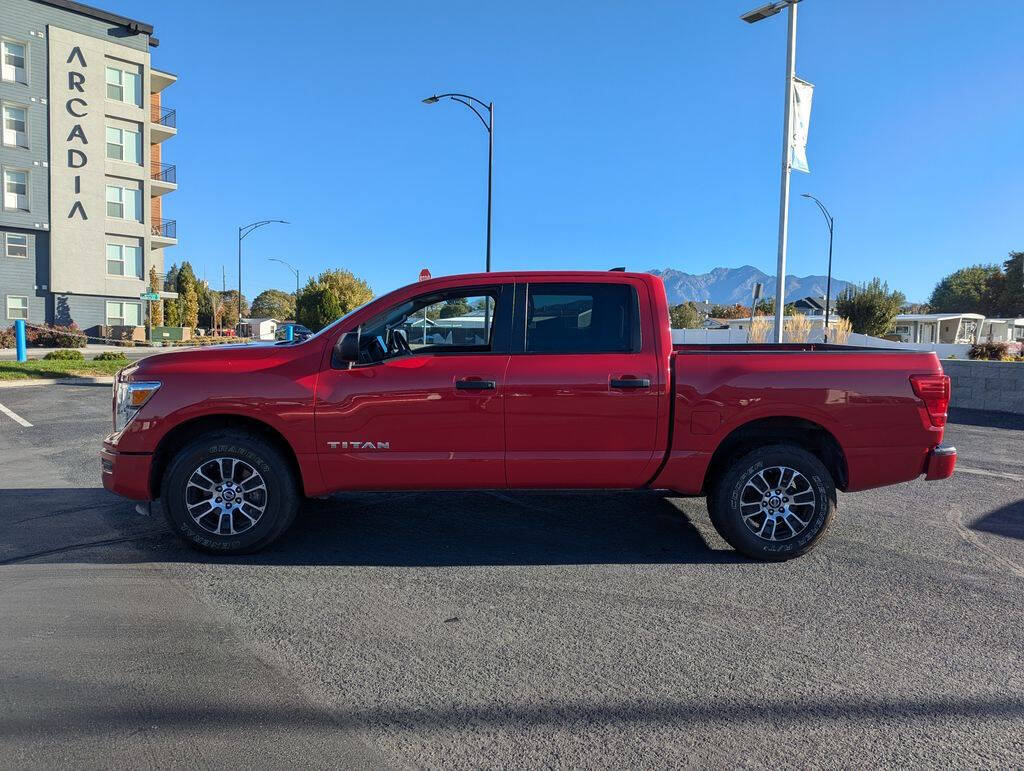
405 529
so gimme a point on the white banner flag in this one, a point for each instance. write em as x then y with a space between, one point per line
803 93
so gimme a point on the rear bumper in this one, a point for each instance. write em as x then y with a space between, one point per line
126 474
941 461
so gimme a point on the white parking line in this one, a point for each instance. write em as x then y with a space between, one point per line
987 473
15 416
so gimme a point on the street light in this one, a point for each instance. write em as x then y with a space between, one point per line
751 17
242 233
293 269
489 126
830 220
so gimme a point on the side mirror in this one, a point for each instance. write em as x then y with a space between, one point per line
346 350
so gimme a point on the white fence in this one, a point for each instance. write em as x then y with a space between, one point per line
737 336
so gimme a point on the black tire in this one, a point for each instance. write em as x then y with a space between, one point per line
743 519
279 497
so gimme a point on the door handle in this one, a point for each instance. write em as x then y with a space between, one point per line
631 382
476 385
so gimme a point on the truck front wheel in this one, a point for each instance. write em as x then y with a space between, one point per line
229 492
773 503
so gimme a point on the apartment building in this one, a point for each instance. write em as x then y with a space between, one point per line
81 158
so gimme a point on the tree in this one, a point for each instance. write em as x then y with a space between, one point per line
185 278
317 306
735 311
766 307
968 290
274 304
157 307
684 316
871 308
1008 287
457 307
229 308
190 307
206 300
333 294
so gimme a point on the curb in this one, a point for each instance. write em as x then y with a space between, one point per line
104 380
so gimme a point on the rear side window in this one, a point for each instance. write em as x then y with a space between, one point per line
582 318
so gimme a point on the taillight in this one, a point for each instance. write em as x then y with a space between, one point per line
933 390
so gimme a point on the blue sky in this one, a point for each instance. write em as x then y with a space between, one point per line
638 134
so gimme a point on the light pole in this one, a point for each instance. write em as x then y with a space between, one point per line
780 282
293 269
242 233
830 220
489 125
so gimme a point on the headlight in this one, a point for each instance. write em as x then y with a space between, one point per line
128 400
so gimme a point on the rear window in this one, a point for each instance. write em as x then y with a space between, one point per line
582 318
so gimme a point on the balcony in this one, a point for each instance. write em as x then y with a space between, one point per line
163 179
163 123
163 233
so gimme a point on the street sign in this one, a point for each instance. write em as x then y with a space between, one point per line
424 275
167 295
149 296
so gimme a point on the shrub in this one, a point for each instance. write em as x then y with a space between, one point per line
7 337
55 336
110 356
989 351
65 354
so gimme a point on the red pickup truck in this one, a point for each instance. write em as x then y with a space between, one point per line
522 380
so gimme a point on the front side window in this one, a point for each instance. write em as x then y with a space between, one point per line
17 307
582 318
445 322
124 261
12 63
124 203
121 314
15 126
124 86
16 189
17 245
123 145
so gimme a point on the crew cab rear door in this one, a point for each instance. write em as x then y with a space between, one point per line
426 414
581 406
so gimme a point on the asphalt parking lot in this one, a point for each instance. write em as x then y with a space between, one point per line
506 630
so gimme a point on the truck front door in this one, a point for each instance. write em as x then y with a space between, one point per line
424 407
583 387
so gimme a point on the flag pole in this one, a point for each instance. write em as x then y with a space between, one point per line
787 138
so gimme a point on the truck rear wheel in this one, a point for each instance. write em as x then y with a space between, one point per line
773 503
229 492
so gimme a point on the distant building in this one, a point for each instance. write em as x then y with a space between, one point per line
83 179
938 327
810 306
258 328
1001 331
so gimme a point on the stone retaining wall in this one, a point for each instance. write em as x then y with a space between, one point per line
986 385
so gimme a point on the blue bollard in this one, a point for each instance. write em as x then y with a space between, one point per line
19 339
290 334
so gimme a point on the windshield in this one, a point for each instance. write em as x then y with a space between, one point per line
335 323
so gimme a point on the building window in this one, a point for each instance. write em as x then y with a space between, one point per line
12 66
124 203
123 145
124 86
124 314
17 245
17 307
124 261
16 189
15 126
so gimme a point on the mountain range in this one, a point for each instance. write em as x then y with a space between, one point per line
725 286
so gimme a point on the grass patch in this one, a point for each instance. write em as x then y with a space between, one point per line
54 369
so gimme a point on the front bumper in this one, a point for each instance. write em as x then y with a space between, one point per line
126 474
941 461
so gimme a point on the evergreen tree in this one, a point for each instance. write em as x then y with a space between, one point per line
155 285
871 308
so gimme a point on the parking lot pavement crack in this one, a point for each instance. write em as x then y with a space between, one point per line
159 533
956 515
